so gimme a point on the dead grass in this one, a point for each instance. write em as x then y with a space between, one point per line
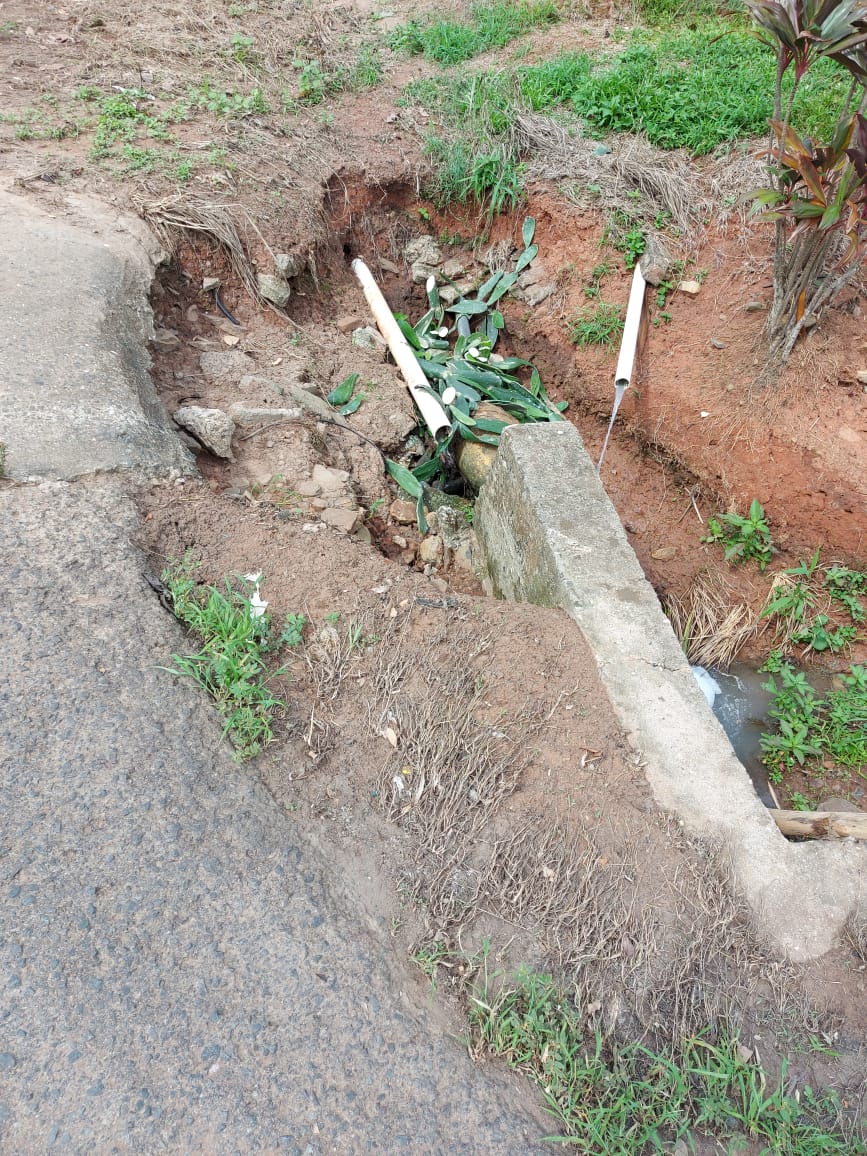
711 629
669 184
175 218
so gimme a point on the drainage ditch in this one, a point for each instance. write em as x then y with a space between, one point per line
663 494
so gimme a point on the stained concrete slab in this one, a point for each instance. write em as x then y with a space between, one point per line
75 392
181 968
550 535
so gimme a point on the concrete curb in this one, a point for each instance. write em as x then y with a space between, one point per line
550 535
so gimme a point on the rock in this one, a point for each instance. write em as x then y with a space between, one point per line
273 289
211 427
536 294
330 480
861 376
246 416
343 520
810 320
430 550
226 368
691 288
656 261
308 488
834 803
364 535
166 339
423 249
406 557
388 266
754 307
453 268
403 511
289 265
209 284
459 540
475 459
449 294
716 343
348 322
399 541
664 553
420 271
368 338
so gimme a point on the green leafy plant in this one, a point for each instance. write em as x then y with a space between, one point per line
600 325
344 398
744 538
812 727
847 587
241 47
463 368
236 639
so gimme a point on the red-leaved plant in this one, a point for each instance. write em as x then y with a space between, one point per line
818 198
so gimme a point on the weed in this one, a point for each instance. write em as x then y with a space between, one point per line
626 234
743 538
846 588
626 1100
224 103
236 636
368 70
241 47
593 289
809 726
601 325
184 170
492 25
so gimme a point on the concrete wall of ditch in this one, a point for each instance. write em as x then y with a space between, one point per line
550 535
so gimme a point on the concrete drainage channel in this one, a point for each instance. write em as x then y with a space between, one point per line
549 535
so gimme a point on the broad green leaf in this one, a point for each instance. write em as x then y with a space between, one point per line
407 330
498 319
468 308
490 284
526 257
507 281
490 425
341 394
527 231
404 478
351 406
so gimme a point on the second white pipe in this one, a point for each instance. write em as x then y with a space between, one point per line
435 417
626 360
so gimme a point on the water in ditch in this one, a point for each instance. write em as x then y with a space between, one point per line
741 705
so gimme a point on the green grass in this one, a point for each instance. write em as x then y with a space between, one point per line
600 325
234 664
811 728
625 1101
696 89
490 25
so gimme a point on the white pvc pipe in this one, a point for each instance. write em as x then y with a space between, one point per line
626 360
628 346
436 418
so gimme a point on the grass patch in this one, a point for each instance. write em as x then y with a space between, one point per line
235 663
811 728
629 1100
600 325
489 26
695 89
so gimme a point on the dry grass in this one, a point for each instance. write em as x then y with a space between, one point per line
710 628
176 218
667 181
449 773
